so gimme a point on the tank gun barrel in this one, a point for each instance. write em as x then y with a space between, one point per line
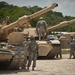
25 18
43 11
60 25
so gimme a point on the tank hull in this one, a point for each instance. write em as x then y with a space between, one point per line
5 55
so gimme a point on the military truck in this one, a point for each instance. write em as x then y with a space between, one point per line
12 48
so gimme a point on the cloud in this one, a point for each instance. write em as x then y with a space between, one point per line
67 7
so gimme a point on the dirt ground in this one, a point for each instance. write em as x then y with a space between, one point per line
63 66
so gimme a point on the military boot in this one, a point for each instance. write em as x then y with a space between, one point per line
27 68
33 69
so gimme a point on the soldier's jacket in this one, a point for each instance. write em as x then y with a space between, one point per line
41 26
72 42
33 46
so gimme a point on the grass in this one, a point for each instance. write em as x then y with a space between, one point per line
65 51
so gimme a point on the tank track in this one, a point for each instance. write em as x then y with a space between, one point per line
19 59
54 51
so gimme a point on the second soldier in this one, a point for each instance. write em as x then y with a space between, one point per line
33 53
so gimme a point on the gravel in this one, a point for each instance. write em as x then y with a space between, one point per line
62 66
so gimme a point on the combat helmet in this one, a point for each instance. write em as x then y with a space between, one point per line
41 18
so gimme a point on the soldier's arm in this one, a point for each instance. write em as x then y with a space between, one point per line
37 49
45 25
28 47
37 27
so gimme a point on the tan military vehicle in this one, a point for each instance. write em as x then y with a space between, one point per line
48 48
12 48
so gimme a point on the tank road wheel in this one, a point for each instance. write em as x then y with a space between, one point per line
4 65
18 60
54 51
14 61
21 59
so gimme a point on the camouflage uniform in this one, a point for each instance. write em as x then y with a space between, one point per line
72 46
41 28
33 52
59 53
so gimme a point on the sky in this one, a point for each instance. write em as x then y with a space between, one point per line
66 7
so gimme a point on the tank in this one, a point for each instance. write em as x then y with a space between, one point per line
47 49
12 50
50 48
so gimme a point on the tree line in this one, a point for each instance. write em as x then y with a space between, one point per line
52 17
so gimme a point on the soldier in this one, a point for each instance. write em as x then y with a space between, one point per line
7 20
33 52
59 53
72 46
41 28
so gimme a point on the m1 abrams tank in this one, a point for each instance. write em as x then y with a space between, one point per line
49 48
13 52
12 48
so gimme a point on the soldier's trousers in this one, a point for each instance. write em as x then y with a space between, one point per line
72 52
32 57
41 34
59 53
